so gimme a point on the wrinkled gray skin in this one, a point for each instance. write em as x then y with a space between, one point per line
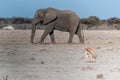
54 19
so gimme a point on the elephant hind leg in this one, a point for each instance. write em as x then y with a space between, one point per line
81 38
52 37
71 34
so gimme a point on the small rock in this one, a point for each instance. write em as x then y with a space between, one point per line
42 62
98 47
99 76
32 58
87 68
110 42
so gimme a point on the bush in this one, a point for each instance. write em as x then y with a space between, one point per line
117 26
21 20
113 20
91 21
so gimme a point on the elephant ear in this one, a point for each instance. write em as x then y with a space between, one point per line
49 17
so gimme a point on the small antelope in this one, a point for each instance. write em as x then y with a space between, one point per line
89 54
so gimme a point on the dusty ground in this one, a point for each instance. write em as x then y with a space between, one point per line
21 60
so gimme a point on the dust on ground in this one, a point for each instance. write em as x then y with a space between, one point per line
21 60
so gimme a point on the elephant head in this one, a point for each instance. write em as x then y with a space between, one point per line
44 17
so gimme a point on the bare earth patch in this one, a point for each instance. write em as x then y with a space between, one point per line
21 60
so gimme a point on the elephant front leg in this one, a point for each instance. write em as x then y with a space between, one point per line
52 37
43 37
46 32
33 32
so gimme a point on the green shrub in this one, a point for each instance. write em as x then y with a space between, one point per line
114 20
117 26
91 21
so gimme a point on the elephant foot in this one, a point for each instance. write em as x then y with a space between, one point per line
53 42
33 43
41 42
69 42
82 42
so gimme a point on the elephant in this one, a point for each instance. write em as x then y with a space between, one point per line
54 19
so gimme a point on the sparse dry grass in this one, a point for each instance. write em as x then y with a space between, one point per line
21 60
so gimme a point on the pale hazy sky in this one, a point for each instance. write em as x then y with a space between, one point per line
84 8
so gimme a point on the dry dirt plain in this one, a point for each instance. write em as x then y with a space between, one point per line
21 60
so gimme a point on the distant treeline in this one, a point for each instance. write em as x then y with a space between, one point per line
95 21
16 22
25 23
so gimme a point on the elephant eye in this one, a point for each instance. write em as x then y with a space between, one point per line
41 16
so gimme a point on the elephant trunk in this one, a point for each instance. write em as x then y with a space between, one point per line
33 32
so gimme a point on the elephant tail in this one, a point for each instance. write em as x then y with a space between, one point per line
80 33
